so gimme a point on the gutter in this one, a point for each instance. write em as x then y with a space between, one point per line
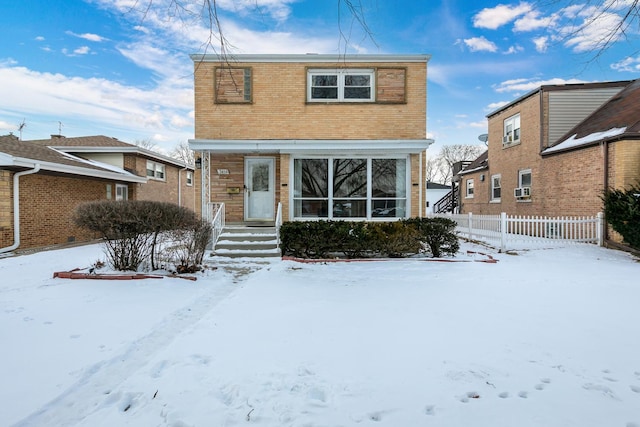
16 207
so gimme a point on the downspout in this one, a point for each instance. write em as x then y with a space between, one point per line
16 207
606 183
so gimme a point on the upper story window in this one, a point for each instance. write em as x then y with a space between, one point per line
350 85
469 188
155 170
511 130
189 178
496 187
233 85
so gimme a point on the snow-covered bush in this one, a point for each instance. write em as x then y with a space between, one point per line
132 229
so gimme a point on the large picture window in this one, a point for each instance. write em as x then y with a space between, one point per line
362 188
351 85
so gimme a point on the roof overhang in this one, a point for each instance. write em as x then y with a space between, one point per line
298 146
309 57
123 150
21 162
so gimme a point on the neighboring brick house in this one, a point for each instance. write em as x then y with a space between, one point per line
327 136
76 170
169 180
554 151
49 184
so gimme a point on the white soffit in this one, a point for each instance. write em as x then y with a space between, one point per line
293 146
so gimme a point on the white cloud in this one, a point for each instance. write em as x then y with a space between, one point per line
513 49
541 43
88 36
96 104
495 17
8 127
496 105
595 32
277 9
480 44
629 64
82 50
526 85
532 21
39 39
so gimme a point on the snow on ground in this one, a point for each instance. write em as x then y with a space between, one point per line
547 337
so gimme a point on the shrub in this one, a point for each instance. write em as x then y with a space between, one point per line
622 212
394 239
321 239
131 229
188 246
437 234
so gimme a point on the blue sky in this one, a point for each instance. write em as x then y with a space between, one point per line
87 67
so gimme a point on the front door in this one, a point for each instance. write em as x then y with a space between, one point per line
259 195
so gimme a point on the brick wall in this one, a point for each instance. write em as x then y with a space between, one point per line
47 204
161 190
279 109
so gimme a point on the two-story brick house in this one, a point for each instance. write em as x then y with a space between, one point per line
555 150
327 136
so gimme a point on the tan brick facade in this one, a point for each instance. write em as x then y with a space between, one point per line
280 109
277 109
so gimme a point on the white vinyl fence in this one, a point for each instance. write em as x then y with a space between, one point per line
508 231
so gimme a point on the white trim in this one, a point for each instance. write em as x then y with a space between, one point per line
340 87
296 146
368 198
120 149
309 57
77 170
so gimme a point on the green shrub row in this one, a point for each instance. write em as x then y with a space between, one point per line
622 212
351 239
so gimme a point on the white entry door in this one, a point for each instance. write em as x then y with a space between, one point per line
259 195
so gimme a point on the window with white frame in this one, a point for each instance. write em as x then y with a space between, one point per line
511 130
189 178
469 188
524 178
349 85
496 187
122 192
364 188
155 170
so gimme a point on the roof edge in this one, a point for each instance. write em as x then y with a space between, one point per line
309 57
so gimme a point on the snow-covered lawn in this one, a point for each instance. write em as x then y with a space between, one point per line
547 337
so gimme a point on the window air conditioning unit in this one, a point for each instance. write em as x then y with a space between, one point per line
521 192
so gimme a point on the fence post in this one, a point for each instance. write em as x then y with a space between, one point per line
470 226
600 228
503 231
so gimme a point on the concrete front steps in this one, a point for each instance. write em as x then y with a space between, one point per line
242 241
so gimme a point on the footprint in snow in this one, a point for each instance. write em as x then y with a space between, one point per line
430 410
523 394
635 388
504 395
